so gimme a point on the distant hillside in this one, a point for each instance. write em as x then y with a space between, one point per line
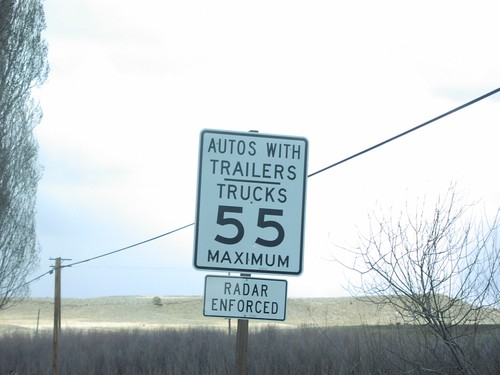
183 311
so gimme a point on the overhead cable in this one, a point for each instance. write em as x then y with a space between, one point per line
407 132
127 247
310 175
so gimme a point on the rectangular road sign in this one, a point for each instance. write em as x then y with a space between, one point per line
245 298
250 202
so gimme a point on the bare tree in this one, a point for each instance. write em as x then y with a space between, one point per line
440 269
23 66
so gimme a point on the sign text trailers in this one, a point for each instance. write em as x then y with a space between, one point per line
245 298
251 202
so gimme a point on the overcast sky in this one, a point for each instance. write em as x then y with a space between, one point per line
132 84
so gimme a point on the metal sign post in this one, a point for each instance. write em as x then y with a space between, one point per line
250 215
241 347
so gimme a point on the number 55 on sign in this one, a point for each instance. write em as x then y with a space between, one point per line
250 202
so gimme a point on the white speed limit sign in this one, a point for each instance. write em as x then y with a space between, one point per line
250 202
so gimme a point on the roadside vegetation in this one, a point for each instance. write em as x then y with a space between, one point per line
437 266
393 349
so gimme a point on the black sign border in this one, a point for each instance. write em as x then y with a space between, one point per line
244 278
198 189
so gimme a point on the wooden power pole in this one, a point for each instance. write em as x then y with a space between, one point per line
57 313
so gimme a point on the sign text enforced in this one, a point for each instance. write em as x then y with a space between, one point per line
245 298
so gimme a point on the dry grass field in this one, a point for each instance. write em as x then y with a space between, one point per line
133 335
182 311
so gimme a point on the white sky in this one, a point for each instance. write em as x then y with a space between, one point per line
132 84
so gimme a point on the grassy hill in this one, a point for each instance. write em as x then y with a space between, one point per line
179 311
183 311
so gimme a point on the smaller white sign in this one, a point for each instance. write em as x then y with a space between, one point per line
245 298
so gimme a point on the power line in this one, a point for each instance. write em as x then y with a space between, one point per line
106 254
407 132
128 247
36 278
310 175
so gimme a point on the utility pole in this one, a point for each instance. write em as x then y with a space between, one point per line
57 313
37 323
